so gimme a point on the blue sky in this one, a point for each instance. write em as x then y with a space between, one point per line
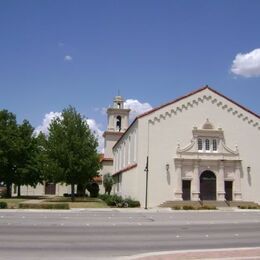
58 53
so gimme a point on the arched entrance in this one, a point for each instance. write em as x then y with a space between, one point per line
208 186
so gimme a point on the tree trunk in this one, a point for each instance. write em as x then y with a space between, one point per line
72 192
81 190
9 190
18 190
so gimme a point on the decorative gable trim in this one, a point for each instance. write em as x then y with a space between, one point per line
251 119
222 152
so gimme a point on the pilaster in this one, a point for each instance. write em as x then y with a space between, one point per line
237 182
221 182
178 180
195 183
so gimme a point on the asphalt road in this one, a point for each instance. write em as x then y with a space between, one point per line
109 234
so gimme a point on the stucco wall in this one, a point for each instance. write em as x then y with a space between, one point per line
173 124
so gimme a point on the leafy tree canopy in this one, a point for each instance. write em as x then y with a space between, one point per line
17 150
73 149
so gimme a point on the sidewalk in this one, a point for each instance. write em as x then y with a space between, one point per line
216 254
132 210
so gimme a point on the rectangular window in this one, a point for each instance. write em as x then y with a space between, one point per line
207 146
214 145
200 148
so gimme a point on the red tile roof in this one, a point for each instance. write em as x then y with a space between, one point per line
107 160
126 169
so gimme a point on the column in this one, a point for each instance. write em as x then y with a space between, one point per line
221 182
177 181
237 182
195 183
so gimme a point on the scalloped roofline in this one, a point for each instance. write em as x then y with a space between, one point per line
181 98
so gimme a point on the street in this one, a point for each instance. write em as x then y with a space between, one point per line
108 234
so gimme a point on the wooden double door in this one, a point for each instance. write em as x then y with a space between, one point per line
208 186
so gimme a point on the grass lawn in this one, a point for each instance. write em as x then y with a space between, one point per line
77 199
12 202
99 204
80 202
86 202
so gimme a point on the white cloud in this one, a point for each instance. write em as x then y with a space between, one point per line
95 128
136 107
68 58
247 64
44 127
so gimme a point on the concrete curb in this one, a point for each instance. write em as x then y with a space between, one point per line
132 210
221 253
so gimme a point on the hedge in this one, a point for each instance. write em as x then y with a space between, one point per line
44 206
3 205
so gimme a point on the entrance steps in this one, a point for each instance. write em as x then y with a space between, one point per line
172 204
247 204
215 203
210 203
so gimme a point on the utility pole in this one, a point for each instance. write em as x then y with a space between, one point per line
146 182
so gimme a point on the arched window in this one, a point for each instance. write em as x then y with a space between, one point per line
214 145
207 147
200 148
118 123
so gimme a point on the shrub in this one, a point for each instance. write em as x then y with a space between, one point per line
93 189
114 200
206 207
108 182
252 207
3 205
132 203
187 207
117 201
104 196
44 206
176 207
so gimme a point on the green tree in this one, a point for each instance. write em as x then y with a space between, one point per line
73 149
108 182
26 172
9 149
45 166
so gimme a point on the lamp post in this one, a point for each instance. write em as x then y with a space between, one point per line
146 181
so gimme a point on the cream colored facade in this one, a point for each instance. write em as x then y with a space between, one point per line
118 120
202 146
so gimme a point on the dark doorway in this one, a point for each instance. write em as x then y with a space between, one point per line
50 188
208 186
229 190
186 190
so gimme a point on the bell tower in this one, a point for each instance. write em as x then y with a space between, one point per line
118 121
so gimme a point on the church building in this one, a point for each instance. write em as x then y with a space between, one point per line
202 146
